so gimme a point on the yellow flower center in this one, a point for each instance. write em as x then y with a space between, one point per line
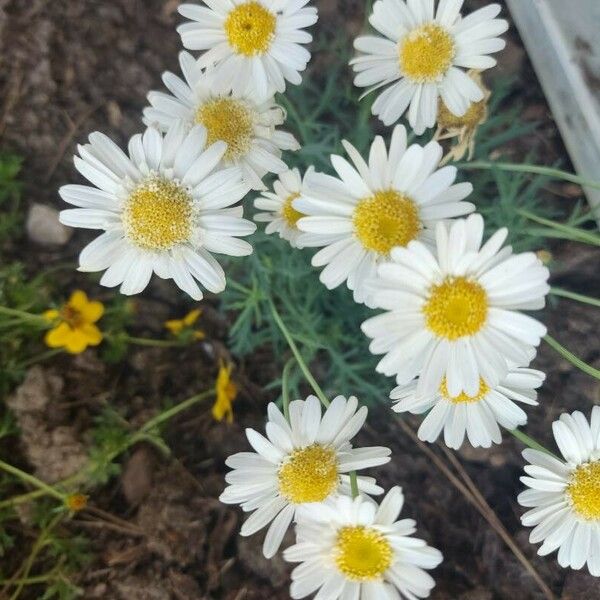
362 553
289 213
584 490
158 214
463 398
385 220
76 502
426 53
456 308
250 28
475 115
230 121
309 474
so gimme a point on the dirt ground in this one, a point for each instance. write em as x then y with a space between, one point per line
73 66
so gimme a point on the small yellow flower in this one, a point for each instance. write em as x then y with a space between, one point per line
177 326
226 392
76 502
464 128
75 327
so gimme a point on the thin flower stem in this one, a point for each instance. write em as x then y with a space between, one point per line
41 357
170 413
139 435
27 478
305 370
285 390
533 169
574 360
138 341
354 484
529 441
574 233
574 296
13 312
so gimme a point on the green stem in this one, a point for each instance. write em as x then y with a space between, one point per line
354 484
37 547
576 234
40 357
533 169
171 412
27 478
529 441
138 341
285 390
139 435
305 370
574 360
573 296
13 312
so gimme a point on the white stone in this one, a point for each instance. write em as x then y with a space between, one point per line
43 226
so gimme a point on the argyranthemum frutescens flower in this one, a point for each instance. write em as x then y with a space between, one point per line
465 127
371 208
254 45
163 209
301 462
282 217
454 313
355 549
248 126
477 416
423 55
565 495
74 325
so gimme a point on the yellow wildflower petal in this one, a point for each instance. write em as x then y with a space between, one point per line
57 337
199 334
51 315
92 312
174 326
192 317
92 334
76 342
78 300
226 392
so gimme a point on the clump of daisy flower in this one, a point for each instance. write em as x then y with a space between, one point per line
74 324
564 495
282 217
371 208
453 315
304 461
422 56
164 209
248 126
464 128
353 548
479 415
254 45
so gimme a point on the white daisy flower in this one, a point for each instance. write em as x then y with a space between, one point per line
372 208
163 209
299 463
454 313
282 217
478 415
357 550
255 45
248 127
424 56
565 495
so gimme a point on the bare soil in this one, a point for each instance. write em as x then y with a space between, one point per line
73 66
